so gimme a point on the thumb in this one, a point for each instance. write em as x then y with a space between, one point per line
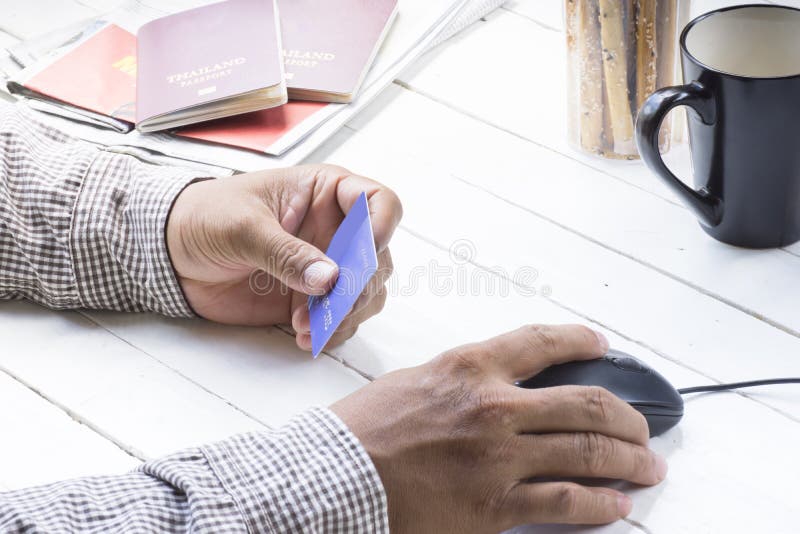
299 265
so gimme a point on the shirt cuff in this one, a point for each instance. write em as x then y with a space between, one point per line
313 475
118 240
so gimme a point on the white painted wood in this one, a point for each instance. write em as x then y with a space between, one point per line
533 106
620 527
101 6
42 443
549 13
557 227
704 452
7 39
611 244
540 120
31 19
110 384
259 370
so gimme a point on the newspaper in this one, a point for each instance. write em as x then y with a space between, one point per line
420 25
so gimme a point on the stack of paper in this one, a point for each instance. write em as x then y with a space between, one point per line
419 26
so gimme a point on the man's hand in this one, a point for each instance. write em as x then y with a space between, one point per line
248 249
460 448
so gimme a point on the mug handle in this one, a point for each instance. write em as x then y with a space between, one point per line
706 206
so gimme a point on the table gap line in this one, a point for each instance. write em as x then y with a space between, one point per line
637 525
11 33
478 118
96 11
482 120
75 416
597 322
672 359
528 17
789 252
176 371
724 300
512 133
287 330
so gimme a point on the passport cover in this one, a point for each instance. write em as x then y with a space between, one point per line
254 131
205 54
353 250
105 64
98 74
329 45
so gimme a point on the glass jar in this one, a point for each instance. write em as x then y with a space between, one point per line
618 53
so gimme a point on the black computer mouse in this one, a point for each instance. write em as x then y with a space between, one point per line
627 378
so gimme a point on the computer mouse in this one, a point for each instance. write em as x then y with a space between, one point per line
627 378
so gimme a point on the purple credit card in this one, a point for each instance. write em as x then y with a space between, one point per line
353 250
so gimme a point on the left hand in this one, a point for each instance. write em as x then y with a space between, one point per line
248 249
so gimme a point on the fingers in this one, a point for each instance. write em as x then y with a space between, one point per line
296 263
578 409
528 350
377 284
588 454
385 209
346 330
369 304
342 335
321 193
566 503
304 340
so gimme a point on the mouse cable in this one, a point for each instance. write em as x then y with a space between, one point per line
737 385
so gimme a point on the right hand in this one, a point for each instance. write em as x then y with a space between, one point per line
460 448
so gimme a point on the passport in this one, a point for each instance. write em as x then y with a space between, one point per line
329 45
105 64
353 250
207 63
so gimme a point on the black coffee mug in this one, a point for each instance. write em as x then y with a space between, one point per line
743 68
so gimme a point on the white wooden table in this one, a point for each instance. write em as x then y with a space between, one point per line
492 178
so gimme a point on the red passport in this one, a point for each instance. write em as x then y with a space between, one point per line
98 75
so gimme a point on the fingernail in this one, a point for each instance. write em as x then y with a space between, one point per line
300 320
318 274
624 505
603 341
660 466
304 341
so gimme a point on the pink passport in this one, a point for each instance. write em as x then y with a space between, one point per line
329 45
207 54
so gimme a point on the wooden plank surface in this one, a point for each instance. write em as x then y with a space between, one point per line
258 370
108 383
25 20
506 209
620 209
42 443
713 434
551 236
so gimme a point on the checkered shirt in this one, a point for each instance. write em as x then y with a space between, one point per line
84 228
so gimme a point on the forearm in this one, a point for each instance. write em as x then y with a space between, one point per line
81 227
310 476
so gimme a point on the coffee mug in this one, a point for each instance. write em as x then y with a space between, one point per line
743 68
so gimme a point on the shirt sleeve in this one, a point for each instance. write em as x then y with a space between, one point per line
311 476
81 227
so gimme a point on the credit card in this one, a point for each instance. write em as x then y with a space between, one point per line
353 250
